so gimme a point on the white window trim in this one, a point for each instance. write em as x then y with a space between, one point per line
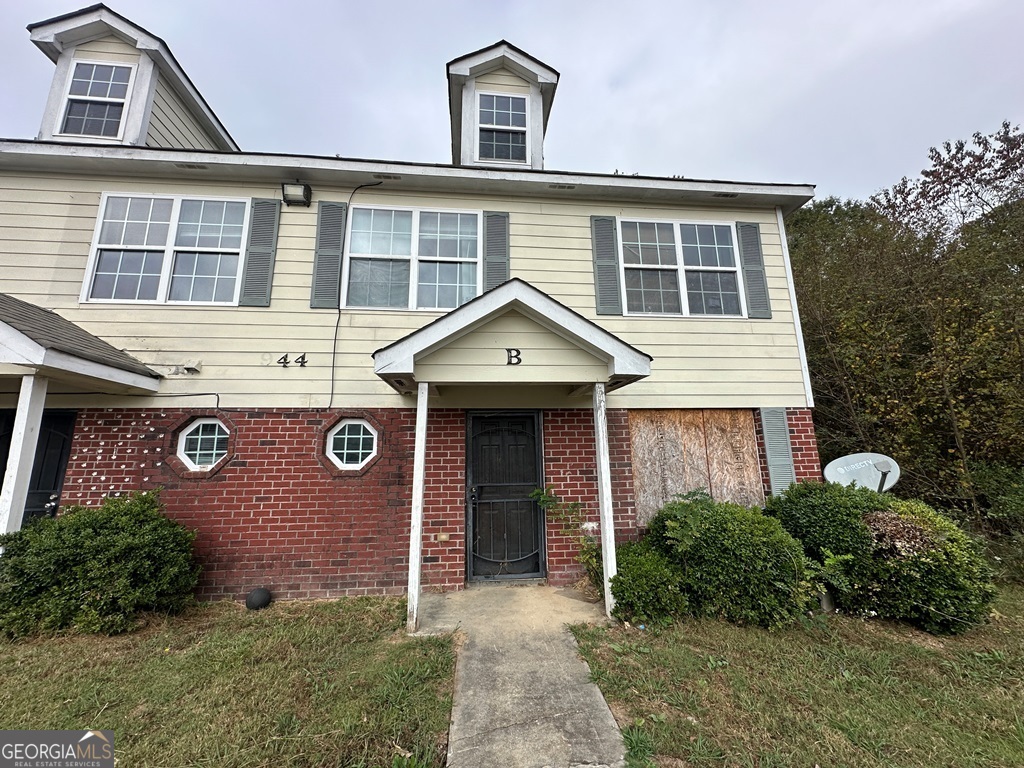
328 450
684 301
413 258
66 97
481 126
185 432
168 249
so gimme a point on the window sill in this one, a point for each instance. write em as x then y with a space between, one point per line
662 316
487 161
148 303
86 138
374 310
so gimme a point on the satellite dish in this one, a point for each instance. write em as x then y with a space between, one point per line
868 470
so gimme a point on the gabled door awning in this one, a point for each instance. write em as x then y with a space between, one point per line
37 341
513 334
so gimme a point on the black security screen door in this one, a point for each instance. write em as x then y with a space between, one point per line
505 525
51 460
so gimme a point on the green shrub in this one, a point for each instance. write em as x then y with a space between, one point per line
828 517
736 562
884 556
647 587
679 517
94 568
927 571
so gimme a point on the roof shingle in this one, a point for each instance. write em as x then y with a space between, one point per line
51 331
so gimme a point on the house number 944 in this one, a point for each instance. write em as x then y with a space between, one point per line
284 361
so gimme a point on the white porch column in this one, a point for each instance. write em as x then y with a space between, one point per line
604 494
419 471
23 452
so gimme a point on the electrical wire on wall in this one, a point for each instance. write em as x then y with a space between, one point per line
337 321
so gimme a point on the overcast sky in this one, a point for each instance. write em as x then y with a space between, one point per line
845 95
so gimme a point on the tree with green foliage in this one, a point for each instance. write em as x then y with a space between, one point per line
913 314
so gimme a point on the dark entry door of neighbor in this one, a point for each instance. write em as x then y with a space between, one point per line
51 460
505 525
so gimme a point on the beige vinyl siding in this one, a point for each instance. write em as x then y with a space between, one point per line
108 48
544 357
47 224
502 80
171 125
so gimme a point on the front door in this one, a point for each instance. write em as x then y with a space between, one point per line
505 526
51 460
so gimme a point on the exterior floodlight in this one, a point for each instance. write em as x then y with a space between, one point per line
296 193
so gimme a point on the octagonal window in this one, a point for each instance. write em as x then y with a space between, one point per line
351 444
202 444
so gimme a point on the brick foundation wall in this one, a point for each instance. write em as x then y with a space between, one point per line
803 443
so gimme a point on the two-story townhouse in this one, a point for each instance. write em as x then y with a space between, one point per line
349 375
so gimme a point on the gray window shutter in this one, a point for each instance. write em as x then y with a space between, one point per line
606 265
778 451
758 304
496 267
258 276
330 244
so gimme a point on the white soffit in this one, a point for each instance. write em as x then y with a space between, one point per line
396 363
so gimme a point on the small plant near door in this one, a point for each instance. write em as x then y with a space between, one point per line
571 516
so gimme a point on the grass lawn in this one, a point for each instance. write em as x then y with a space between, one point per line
835 691
298 684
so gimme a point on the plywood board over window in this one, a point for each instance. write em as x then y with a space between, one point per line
675 451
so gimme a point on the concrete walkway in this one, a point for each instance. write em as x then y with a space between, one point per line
523 698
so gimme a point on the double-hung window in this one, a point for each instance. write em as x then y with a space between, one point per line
412 258
96 98
502 121
675 268
167 249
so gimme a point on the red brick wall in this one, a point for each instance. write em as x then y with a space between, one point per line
806 461
277 514
444 503
804 444
570 468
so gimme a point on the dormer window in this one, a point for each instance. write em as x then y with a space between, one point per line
503 127
96 100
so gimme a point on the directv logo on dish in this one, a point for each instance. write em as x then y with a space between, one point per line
851 467
56 749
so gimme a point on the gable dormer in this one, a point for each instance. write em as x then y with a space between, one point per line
500 98
115 83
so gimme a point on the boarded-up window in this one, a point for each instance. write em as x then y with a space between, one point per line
675 451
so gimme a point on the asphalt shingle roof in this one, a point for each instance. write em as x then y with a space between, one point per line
51 331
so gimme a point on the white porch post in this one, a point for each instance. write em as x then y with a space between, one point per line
419 471
23 452
604 494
